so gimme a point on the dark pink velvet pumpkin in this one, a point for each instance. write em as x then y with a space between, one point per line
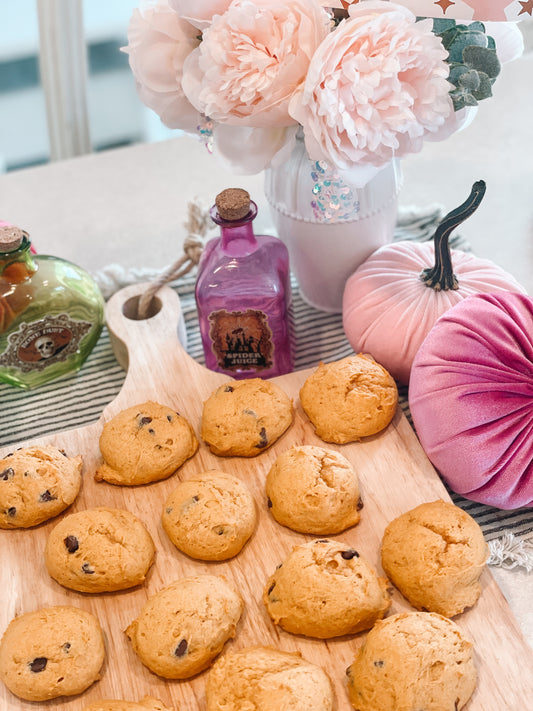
471 398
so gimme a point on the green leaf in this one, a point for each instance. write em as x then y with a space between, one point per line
484 90
470 81
483 60
479 26
461 98
440 25
456 70
448 37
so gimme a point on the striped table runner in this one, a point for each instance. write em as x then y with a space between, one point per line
79 399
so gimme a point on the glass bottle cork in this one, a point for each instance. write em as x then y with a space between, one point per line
51 313
243 294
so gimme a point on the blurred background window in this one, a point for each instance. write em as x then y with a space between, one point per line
115 115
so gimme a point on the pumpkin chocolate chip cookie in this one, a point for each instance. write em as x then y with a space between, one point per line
99 550
268 679
36 484
184 626
313 490
435 554
144 443
210 516
244 417
413 661
348 399
54 651
325 589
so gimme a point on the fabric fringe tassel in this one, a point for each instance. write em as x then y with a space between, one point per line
510 552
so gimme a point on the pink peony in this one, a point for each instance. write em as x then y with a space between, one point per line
158 44
376 87
201 12
252 59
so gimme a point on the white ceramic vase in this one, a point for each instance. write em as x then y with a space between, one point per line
329 226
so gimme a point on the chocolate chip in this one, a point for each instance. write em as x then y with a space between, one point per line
62 451
360 504
271 588
379 663
38 664
269 503
87 568
219 530
8 473
169 418
151 431
168 510
66 647
8 455
144 421
195 499
11 511
71 544
181 649
47 496
322 540
263 439
349 554
228 389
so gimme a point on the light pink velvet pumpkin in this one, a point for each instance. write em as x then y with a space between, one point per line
393 299
471 398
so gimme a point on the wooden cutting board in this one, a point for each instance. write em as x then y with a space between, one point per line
395 476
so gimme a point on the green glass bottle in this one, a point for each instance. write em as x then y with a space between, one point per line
51 313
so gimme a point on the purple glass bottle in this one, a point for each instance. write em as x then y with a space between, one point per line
243 295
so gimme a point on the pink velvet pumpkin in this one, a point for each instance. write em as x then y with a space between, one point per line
471 398
393 299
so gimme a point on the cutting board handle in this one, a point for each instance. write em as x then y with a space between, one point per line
149 349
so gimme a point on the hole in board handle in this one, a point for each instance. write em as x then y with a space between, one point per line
130 308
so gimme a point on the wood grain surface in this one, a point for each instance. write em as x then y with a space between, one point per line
394 473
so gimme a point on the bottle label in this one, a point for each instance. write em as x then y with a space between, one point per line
36 345
241 340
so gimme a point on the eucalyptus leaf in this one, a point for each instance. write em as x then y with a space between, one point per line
479 26
483 60
461 98
484 89
440 25
463 41
456 70
472 60
448 37
470 81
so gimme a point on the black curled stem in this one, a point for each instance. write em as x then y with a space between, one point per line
440 276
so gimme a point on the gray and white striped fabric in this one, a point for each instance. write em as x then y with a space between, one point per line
79 399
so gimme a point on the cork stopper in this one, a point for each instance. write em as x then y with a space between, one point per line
233 203
11 237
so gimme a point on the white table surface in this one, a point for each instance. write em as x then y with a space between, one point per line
127 206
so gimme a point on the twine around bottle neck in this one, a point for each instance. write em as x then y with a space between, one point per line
197 225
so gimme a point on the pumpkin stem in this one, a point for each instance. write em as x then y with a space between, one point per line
441 276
